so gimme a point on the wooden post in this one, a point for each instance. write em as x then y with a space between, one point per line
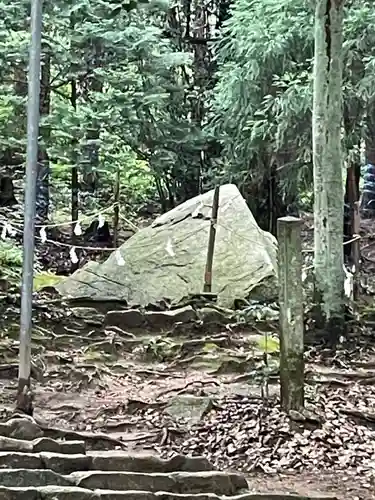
211 242
291 313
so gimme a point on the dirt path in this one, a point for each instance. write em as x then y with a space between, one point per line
205 404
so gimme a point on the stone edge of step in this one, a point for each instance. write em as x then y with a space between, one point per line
54 492
66 463
175 482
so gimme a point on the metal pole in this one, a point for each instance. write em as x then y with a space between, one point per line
24 399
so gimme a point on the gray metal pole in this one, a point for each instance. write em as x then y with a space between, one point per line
24 399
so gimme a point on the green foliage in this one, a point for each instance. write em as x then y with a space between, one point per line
46 279
118 95
269 344
127 92
10 254
11 258
10 261
262 101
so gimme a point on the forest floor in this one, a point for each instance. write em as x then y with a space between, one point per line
117 391
158 392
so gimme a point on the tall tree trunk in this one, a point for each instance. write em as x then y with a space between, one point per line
91 149
42 193
328 165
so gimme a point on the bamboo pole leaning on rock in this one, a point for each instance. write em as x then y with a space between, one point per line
211 242
291 313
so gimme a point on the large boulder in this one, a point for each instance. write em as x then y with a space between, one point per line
167 259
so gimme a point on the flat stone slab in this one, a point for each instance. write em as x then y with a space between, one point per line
39 444
28 477
162 319
130 318
146 462
175 482
65 464
74 493
18 460
57 462
48 493
65 447
102 461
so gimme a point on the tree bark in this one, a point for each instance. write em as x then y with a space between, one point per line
42 192
328 166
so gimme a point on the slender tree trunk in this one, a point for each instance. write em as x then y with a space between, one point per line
74 185
42 193
91 150
328 165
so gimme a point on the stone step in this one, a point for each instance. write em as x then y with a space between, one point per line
74 493
103 461
42 444
174 482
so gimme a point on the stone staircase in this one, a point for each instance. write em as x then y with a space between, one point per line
42 468
37 464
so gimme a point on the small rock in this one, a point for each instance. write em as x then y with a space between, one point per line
213 315
130 318
160 319
191 408
88 314
296 416
23 428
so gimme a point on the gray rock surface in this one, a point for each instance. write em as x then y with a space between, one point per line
23 428
169 318
175 482
131 318
189 407
167 259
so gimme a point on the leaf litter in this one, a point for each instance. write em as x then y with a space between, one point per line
94 385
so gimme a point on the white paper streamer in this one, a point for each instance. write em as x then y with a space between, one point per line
169 248
197 211
43 234
101 220
11 230
73 255
119 258
78 229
